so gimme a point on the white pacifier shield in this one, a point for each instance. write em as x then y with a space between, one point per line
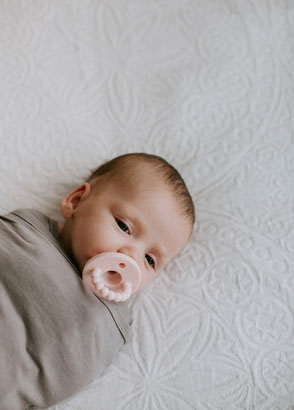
116 275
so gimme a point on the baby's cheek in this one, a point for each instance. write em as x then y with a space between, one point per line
93 247
96 240
83 248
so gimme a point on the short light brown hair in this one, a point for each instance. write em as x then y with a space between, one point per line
169 175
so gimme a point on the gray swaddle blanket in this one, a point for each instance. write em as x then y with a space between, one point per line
56 337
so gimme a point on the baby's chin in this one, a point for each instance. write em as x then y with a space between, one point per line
78 262
81 264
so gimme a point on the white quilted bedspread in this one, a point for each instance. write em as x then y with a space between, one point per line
209 85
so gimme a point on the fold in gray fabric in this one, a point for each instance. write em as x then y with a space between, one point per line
56 336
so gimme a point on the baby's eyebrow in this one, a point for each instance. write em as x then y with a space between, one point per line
162 254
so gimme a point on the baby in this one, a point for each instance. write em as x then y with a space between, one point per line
136 204
56 335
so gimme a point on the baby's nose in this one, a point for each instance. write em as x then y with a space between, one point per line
131 252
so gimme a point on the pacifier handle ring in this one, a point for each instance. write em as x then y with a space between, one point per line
117 288
105 292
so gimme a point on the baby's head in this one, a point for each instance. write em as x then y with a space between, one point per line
136 204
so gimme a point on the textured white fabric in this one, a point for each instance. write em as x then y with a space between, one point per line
208 84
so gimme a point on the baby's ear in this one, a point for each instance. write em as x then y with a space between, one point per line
71 201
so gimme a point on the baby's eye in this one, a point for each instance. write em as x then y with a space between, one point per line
123 226
150 260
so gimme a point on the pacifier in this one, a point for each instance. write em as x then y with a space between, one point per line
112 275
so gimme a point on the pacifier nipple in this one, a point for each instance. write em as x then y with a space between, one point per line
112 275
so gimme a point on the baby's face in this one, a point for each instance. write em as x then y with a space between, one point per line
141 220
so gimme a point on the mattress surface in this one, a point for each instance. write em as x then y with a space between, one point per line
208 85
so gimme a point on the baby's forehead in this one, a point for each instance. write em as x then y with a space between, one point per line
137 180
132 175
142 191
